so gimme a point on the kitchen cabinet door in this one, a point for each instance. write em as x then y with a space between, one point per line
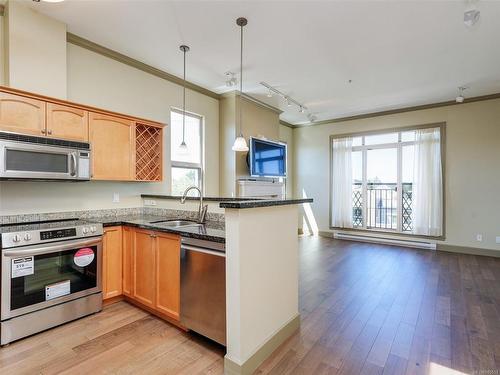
22 115
168 248
128 270
144 287
112 262
67 122
113 147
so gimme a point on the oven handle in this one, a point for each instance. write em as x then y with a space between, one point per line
50 248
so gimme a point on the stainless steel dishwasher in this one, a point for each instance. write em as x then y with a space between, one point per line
203 288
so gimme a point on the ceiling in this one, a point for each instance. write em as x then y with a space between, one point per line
396 54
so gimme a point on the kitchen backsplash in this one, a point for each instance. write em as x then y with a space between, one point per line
89 214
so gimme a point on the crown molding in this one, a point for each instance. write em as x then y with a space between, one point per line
104 51
250 98
400 110
284 123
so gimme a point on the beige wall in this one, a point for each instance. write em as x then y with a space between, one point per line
472 181
35 51
258 121
103 82
286 135
2 51
227 157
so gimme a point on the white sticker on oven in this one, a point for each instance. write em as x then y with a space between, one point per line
22 267
84 257
57 290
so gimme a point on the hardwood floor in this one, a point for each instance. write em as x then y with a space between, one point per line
365 309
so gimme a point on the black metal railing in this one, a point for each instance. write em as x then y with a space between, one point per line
382 206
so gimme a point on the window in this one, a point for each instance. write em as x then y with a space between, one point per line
187 165
373 181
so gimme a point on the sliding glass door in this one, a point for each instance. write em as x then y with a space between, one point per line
382 181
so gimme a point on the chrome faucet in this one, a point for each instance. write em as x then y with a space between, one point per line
202 209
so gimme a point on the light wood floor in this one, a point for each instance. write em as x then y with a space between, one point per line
366 309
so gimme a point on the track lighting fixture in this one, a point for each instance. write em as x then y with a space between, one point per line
230 79
289 101
460 98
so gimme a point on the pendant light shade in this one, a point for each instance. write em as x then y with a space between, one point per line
240 143
183 149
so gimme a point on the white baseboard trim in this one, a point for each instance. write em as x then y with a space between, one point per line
385 240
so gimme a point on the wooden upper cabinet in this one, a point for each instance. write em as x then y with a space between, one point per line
112 262
113 147
67 122
22 115
168 278
144 268
128 270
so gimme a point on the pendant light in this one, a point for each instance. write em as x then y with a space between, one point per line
240 144
183 146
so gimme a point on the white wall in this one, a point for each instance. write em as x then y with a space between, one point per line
35 51
472 176
262 279
103 82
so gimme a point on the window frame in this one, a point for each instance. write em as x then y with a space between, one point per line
188 165
400 130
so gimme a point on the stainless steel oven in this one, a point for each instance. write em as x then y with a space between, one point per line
54 280
28 157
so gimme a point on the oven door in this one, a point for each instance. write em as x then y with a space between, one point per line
36 277
34 161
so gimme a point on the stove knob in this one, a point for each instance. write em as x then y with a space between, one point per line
27 237
93 229
16 238
85 230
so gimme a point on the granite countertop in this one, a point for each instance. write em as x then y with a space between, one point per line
238 203
210 231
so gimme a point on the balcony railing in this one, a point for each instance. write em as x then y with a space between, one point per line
382 206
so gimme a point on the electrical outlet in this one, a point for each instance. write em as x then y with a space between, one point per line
479 237
497 239
116 197
149 202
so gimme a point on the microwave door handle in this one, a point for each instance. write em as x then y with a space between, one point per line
47 249
73 164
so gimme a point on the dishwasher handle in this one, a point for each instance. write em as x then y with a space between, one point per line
202 250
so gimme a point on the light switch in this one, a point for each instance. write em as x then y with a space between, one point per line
116 197
497 239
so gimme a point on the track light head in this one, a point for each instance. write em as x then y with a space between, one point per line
460 98
301 109
269 94
288 102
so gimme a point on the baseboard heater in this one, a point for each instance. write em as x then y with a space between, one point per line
386 241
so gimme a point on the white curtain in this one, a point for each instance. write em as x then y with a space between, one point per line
342 183
427 195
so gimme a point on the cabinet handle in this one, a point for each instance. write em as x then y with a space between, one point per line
50 132
43 131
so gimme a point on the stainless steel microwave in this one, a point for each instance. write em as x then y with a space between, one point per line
34 158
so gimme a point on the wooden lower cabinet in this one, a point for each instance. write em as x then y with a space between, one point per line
144 264
168 277
112 262
127 262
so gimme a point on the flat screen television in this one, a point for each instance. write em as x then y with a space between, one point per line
267 158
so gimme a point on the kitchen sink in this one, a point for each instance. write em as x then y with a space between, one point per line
176 223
